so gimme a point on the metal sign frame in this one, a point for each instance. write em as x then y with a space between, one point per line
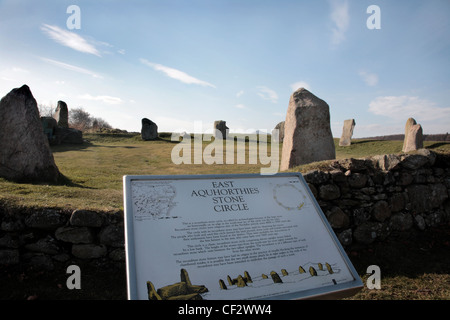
336 291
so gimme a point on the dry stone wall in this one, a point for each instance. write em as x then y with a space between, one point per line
45 238
365 200
369 199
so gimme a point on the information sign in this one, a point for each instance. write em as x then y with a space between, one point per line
231 237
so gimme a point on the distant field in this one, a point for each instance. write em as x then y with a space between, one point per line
95 169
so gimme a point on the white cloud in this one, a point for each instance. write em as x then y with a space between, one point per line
71 67
371 79
20 70
69 39
105 99
8 79
267 94
403 107
13 73
240 93
240 106
300 84
176 74
341 19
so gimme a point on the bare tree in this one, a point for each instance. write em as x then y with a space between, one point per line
80 119
99 123
46 111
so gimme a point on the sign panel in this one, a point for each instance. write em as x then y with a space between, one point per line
231 237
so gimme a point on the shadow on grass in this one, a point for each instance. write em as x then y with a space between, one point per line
65 181
71 147
437 145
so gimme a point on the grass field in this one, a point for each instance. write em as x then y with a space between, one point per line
94 171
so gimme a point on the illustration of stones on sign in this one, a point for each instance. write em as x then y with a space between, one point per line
241 282
247 277
275 277
222 285
307 131
347 133
182 290
317 269
330 270
289 196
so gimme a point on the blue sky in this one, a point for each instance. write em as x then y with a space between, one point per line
189 61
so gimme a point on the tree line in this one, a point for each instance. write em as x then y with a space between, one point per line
78 118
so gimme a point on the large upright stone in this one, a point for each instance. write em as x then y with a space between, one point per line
409 123
278 131
49 125
62 115
347 133
149 130
25 153
414 139
220 129
307 131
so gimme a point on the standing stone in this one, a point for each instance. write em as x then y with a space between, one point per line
149 130
220 129
25 153
414 139
68 135
347 133
62 115
307 131
280 132
409 123
49 125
